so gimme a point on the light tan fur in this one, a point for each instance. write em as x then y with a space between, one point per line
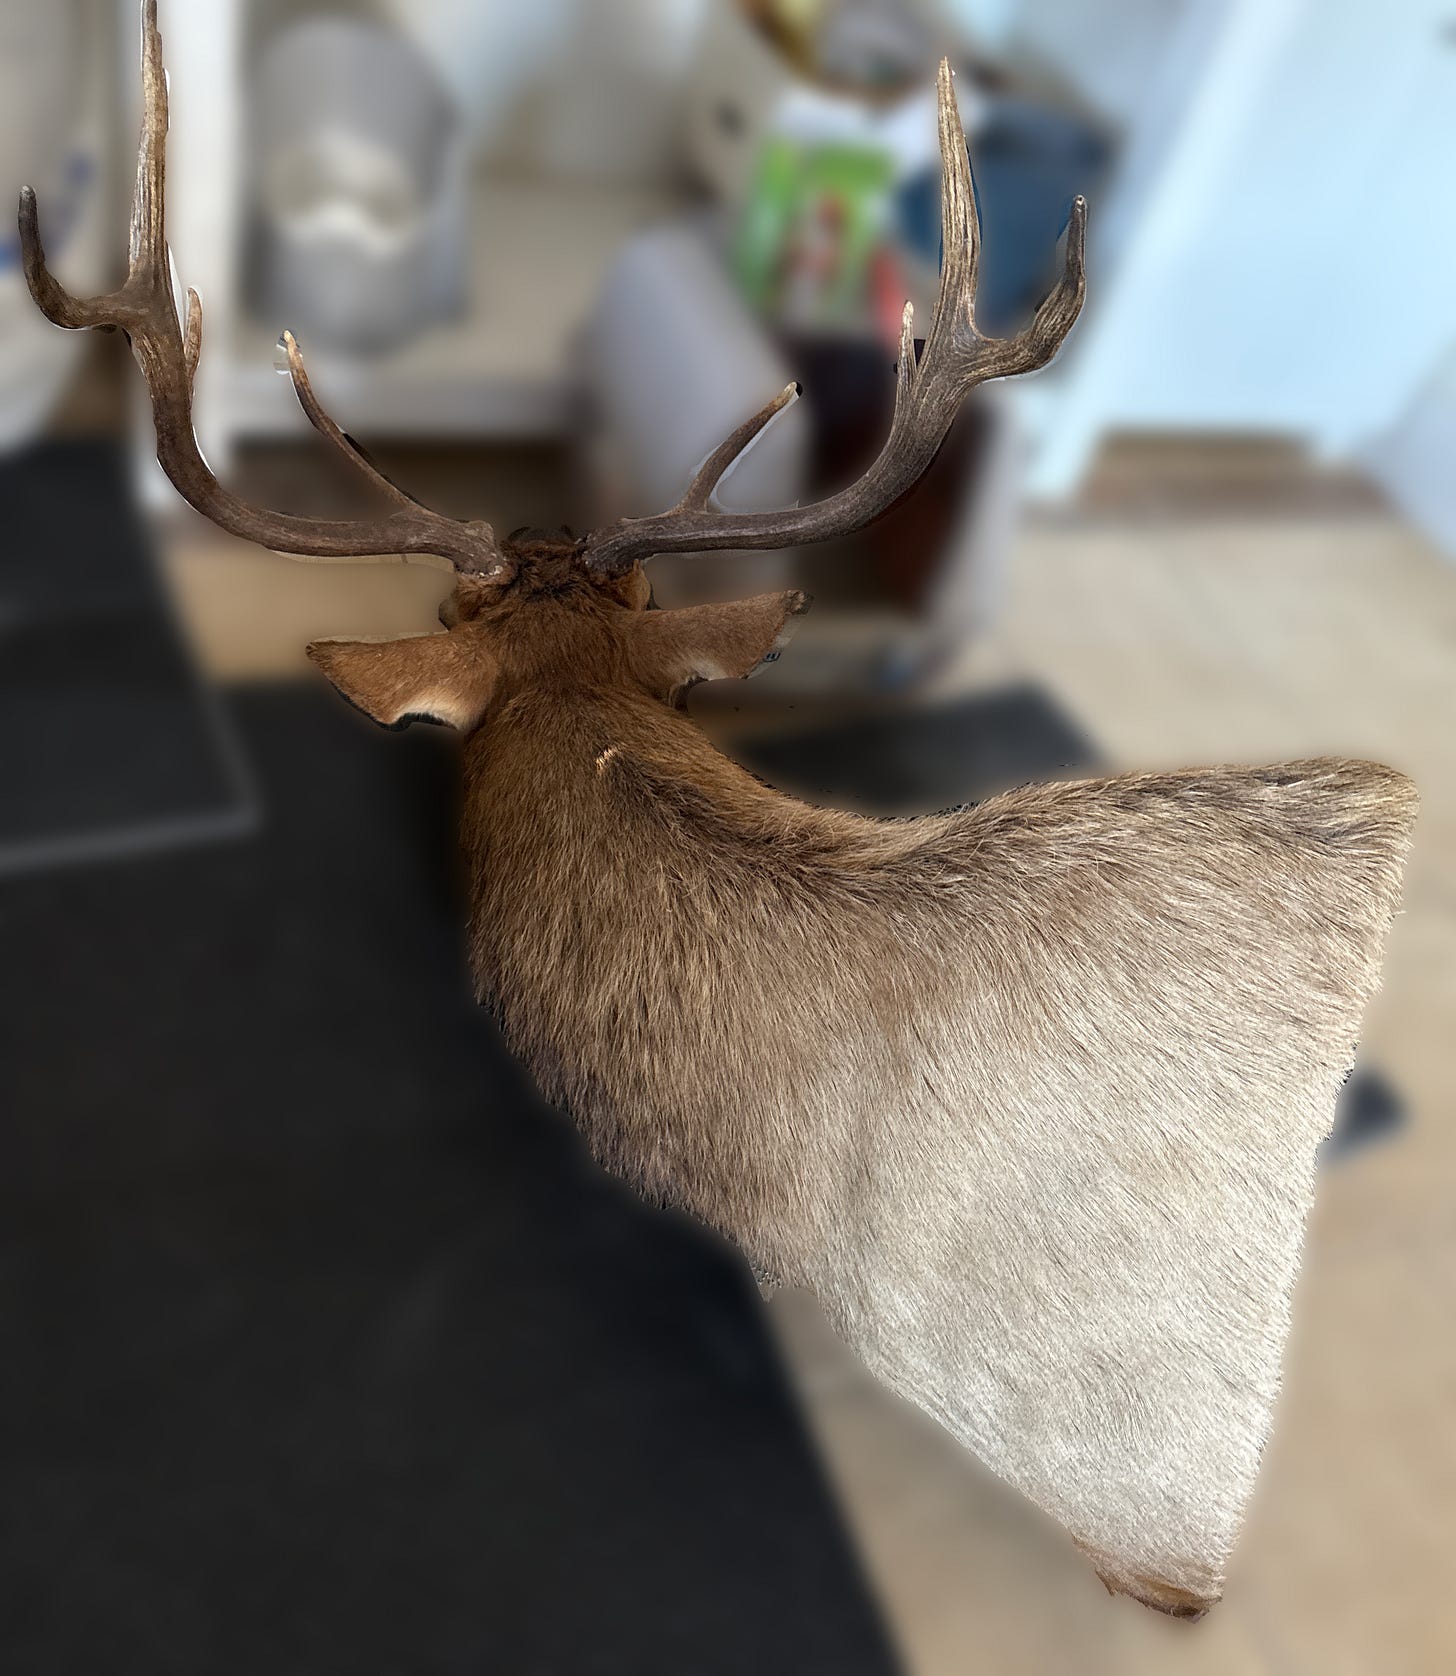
1028 1094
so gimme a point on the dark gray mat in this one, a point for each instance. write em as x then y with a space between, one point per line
912 759
108 743
325 1348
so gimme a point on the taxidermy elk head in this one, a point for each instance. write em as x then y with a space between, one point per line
1028 1094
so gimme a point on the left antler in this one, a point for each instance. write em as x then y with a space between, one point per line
168 354
928 394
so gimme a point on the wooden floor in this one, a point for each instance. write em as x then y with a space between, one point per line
1239 622
1178 640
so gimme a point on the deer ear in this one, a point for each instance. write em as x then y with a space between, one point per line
673 650
446 678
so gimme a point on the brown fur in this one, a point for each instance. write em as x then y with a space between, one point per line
857 1046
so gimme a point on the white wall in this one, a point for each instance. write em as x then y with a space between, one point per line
1109 49
1282 258
586 88
487 52
986 22
1415 461
574 87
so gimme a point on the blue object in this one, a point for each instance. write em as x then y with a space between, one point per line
1030 161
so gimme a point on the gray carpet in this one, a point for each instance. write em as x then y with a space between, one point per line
325 1348
108 743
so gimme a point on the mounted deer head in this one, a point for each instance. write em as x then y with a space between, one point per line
1028 1094
499 582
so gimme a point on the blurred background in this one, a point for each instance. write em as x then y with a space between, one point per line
543 258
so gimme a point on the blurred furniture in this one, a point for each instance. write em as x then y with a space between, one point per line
359 202
675 362
537 251
743 87
505 370
677 358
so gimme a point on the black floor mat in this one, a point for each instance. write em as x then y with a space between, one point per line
325 1348
108 743
915 759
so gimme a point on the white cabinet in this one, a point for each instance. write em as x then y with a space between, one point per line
540 250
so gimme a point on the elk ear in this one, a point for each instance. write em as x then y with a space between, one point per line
673 650
444 678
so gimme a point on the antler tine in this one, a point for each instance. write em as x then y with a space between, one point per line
139 301
928 392
1059 309
168 353
192 347
960 221
329 428
728 453
52 298
906 366
149 204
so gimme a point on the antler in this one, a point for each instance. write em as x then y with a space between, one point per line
168 355
955 360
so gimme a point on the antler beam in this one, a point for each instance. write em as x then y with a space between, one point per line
928 394
168 354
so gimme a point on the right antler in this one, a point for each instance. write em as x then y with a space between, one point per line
145 310
928 394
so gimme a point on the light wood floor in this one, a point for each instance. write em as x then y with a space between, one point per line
1178 642
1177 632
